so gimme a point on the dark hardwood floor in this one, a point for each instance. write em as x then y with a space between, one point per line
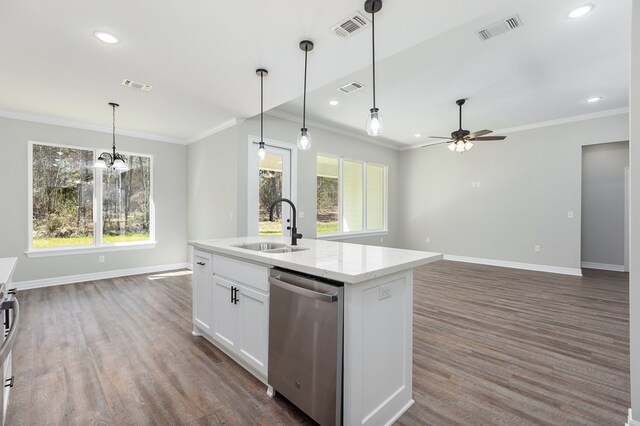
491 346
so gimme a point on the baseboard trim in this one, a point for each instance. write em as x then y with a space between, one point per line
602 266
515 265
72 279
630 421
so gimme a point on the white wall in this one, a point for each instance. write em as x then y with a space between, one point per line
227 151
603 203
169 186
634 221
528 184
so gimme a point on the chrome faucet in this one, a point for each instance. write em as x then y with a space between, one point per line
294 230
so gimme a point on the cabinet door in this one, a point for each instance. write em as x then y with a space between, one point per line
202 292
253 330
225 313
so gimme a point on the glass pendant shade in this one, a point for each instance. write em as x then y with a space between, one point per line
452 146
304 140
262 152
119 164
374 123
100 163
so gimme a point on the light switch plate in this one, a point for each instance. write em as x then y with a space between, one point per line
570 215
300 215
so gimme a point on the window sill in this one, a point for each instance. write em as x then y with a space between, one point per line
351 235
63 251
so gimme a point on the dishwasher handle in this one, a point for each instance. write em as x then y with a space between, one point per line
325 297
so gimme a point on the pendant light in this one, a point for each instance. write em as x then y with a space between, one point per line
304 137
112 159
374 121
262 152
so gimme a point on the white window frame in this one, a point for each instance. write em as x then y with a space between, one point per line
364 233
98 246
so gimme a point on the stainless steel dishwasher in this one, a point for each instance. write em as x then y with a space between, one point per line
305 343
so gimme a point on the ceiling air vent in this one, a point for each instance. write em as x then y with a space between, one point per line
351 25
351 87
136 85
500 27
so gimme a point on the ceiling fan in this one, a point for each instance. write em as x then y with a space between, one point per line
460 140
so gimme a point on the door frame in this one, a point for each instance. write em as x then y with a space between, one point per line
252 177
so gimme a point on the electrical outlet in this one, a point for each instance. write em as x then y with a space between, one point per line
385 291
300 215
100 259
570 215
231 215
382 239
428 240
537 248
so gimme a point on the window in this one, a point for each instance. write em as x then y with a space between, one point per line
351 196
68 196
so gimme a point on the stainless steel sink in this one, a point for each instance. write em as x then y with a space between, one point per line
271 247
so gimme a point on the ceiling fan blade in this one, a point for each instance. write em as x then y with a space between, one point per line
491 138
474 135
439 137
435 143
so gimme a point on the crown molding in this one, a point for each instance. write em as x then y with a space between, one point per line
335 128
229 123
565 120
42 119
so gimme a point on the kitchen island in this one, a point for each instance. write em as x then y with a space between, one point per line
231 310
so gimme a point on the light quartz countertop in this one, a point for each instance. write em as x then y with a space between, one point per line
345 262
7 266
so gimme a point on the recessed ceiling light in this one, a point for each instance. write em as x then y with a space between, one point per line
106 37
333 103
417 135
580 11
594 99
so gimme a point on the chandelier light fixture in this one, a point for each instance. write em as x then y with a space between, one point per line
262 152
374 121
304 137
112 159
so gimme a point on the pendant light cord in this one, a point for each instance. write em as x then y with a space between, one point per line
304 96
373 48
114 131
261 106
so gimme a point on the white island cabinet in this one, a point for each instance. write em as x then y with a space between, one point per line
231 310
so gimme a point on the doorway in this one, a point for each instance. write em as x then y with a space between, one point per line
270 178
605 206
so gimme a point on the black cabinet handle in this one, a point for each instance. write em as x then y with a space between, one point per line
12 291
9 382
201 263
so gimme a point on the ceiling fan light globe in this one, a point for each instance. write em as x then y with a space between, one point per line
452 146
304 140
468 145
460 146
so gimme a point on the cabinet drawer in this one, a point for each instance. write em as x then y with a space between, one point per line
255 276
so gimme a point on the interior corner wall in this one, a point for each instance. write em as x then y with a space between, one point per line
213 186
323 142
603 203
634 219
527 186
169 196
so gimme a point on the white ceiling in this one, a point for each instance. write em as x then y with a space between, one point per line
540 72
200 57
